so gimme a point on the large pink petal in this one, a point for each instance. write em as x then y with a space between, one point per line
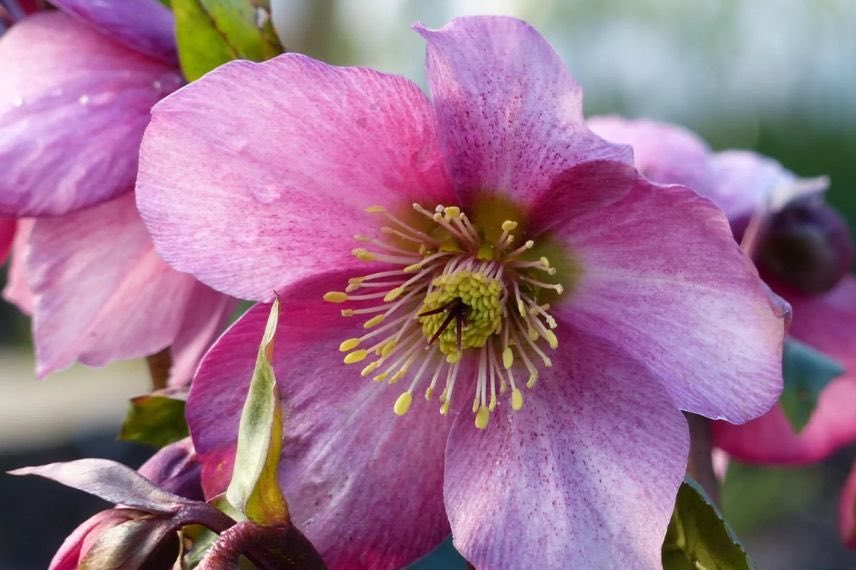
146 26
847 511
663 278
206 315
101 292
73 107
258 174
665 153
584 476
7 236
17 290
509 113
825 322
364 485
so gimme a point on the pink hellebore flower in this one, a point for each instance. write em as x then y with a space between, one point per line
509 250
74 101
744 184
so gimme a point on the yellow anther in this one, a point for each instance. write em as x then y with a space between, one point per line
551 339
375 210
507 357
533 378
335 297
509 225
521 308
349 344
516 399
381 377
386 349
398 375
413 268
482 417
355 281
347 312
429 393
370 368
356 356
376 320
361 237
453 357
559 288
492 405
444 409
533 334
402 404
449 247
529 244
545 262
393 295
452 211
363 254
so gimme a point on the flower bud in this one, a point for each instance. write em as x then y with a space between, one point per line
807 246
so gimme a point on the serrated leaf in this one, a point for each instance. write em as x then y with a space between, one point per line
211 32
698 538
154 420
254 488
806 372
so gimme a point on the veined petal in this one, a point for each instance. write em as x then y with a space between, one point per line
250 197
664 153
7 236
364 485
146 26
101 292
509 113
824 322
71 120
583 476
17 290
206 315
665 280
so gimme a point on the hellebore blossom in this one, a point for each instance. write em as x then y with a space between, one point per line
512 267
803 250
71 121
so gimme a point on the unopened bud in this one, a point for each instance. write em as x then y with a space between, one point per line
807 246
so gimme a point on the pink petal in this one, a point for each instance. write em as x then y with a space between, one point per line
206 316
146 26
101 292
7 236
745 181
824 322
509 113
771 439
76 544
363 485
664 153
584 476
71 120
663 278
847 511
17 290
252 197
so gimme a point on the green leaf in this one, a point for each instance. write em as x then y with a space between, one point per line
211 32
806 372
154 420
698 538
254 489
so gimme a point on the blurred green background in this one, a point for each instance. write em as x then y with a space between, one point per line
777 76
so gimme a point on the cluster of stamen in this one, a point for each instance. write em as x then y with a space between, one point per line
453 293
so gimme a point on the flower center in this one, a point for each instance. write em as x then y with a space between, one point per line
451 293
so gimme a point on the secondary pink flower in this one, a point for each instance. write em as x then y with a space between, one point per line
71 121
521 275
822 295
